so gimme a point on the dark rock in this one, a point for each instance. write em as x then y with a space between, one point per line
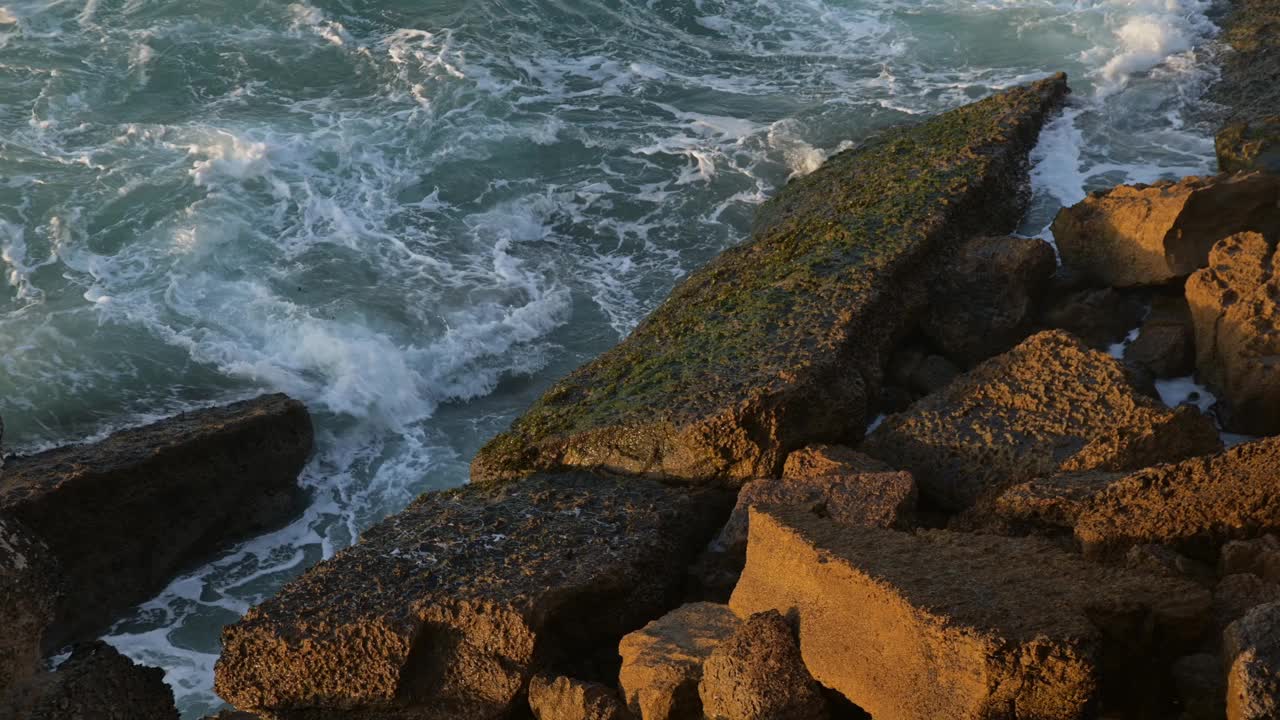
956 625
1166 345
1201 686
662 662
448 608
1155 234
758 675
1161 560
780 342
1099 317
1251 646
564 698
233 715
1237 325
1048 406
985 300
29 592
96 683
927 373
124 515
1249 146
1250 67
1259 556
1237 595
894 398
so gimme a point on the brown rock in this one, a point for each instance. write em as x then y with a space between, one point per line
1166 345
1237 324
29 592
953 625
448 608
233 715
758 675
568 699
985 301
124 515
1201 686
1160 560
1260 556
1249 146
1154 234
1048 406
1251 646
96 683
1098 317
823 460
1237 594
662 662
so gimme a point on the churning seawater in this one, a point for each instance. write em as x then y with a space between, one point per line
415 214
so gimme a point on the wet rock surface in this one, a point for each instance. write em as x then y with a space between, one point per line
450 607
662 663
29 593
96 683
758 674
124 515
1250 146
1251 647
780 342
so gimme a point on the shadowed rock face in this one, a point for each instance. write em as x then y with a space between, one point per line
1244 147
780 342
949 625
96 683
29 591
1251 647
448 608
662 662
123 515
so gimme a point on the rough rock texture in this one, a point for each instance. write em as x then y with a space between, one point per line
1154 234
1050 405
1098 316
986 299
123 515
1237 594
448 608
920 372
1161 560
953 625
823 460
96 683
1201 686
564 698
780 342
758 674
1195 505
1259 556
1166 345
29 592
1249 69
1252 650
1248 146
662 662
1234 304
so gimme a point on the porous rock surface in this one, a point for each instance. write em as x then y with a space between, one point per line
957 626
781 341
1250 145
758 674
662 662
448 608
1155 234
564 698
1050 405
124 515
95 683
29 592
1251 646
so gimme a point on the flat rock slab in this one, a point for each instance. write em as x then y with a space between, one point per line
1155 234
662 662
124 515
29 592
95 683
781 341
1050 405
951 626
448 608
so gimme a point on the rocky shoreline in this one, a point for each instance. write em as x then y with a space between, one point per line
884 460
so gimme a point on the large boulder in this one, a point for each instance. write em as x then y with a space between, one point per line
1155 234
986 299
758 674
124 515
962 626
781 341
662 662
1251 646
1166 345
29 591
1237 325
447 609
1050 405
564 698
95 683
1248 146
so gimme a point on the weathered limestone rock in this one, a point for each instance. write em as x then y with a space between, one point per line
1161 560
96 683
758 675
1259 556
1237 324
1237 594
1154 234
124 515
1201 686
662 662
823 460
564 698
959 626
1099 317
1166 345
1048 406
1249 146
448 608
985 301
1249 69
29 592
780 342
1252 649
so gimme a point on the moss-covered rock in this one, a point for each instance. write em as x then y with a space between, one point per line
780 342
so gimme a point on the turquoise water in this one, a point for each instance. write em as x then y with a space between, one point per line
415 215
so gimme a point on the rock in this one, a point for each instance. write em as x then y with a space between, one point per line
1166 345
985 301
96 683
1099 317
1237 326
1238 594
1155 234
956 625
758 675
448 608
124 515
1249 69
1252 649
662 662
1050 405
1160 560
564 698
780 342
1249 146
233 715
1201 687
1260 556
29 592
930 374
823 460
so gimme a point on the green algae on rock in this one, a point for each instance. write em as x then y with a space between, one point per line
781 341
